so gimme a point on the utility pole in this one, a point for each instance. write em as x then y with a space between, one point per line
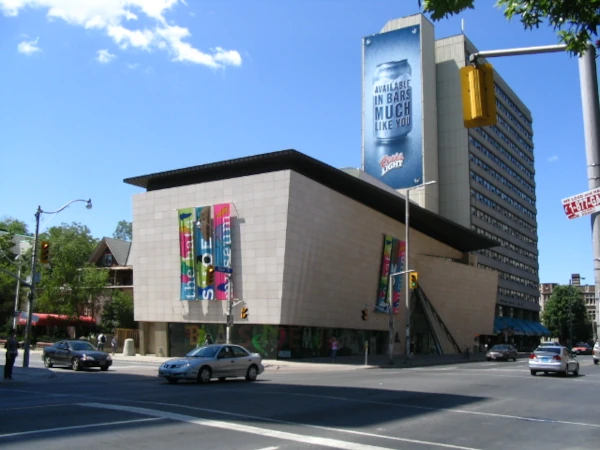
591 127
31 297
229 311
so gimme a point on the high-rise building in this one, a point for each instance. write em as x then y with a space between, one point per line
485 177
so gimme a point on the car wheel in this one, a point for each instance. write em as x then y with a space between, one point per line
252 373
489 359
76 364
515 359
534 372
204 374
222 378
545 373
104 368
596 361
47 362
172 380
576 371
565 372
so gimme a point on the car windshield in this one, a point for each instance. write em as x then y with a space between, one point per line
82 346
498 348
203 352
556 350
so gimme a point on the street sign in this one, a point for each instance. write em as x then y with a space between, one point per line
223 269
582 204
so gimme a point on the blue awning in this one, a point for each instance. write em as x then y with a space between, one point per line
519 327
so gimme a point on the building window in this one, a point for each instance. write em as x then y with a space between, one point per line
108 260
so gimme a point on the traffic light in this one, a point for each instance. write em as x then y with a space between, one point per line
244 313
478 95
365 314
45 252
210 274
413 280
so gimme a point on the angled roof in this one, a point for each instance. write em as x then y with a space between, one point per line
392 205
118 248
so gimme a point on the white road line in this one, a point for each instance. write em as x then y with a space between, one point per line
36 406
334 443
77 427
268 448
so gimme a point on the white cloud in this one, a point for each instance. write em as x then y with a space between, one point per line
133 66
29 47
553 158
112 16
104 56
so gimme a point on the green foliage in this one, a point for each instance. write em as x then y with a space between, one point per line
123 231
8 284
70 283
575 21
118 312
566 304
14 226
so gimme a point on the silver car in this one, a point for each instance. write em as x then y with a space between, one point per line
553 359
596 353
213 361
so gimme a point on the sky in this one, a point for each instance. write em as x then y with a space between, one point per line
96 91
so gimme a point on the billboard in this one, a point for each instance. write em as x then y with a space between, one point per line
393 261
205 252
392 107
582 204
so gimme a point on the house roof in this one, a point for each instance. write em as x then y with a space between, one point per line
120 250
392 205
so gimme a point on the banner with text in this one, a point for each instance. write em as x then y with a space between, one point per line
223 250
186 252
393 261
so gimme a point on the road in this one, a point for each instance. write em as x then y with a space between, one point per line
479 405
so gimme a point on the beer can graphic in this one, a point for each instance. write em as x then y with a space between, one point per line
392 101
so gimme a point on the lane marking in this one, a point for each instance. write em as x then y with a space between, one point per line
36 406
268 448
77 427
327 442
317 427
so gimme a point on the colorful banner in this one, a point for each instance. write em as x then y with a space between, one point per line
392 107
393 261
204 254
222 223
186 252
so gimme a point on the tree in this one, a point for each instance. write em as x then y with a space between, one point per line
69 284
575 21
565 305
14 226
118 312
123 231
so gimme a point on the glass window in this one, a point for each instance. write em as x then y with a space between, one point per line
239 352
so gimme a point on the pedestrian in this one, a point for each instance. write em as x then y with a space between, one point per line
113 344
12 351
208 340
101 341
334 348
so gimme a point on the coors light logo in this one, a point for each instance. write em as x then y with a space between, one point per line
390 162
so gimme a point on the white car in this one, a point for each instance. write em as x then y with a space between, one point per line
213 361
596 352
553 359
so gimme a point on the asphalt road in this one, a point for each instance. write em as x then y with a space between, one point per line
495 405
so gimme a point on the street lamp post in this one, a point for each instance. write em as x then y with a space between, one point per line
407 274
15 312
31 297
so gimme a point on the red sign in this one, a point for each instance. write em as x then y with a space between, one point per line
582 204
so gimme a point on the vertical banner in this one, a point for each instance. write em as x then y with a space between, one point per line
204 254
222 223
392 107
393 261
186 253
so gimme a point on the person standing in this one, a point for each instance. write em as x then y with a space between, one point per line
334 348
208 340
12 351
101 341
113 344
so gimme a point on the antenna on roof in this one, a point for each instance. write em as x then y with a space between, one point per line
462 26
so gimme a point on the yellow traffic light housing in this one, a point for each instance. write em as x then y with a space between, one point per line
45 252
413 280
244 314
210 274
478 95
365 314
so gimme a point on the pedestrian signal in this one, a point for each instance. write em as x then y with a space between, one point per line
45 252
478 95
210 275
244 313
413 280
365 314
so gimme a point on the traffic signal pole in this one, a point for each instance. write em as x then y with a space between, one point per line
591 126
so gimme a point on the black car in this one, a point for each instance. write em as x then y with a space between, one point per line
505 351
75 354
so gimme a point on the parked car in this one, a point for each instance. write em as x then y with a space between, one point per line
503 351
75 354
556 359
213 361
596 353
582 349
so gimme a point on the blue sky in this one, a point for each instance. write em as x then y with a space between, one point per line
93 92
